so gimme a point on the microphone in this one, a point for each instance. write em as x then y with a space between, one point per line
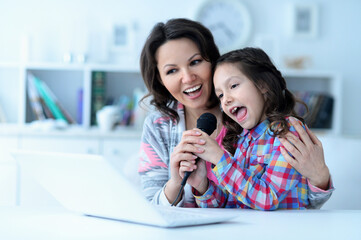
207 122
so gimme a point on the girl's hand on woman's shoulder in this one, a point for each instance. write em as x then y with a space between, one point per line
307 155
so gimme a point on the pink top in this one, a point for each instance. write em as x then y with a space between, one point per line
219 139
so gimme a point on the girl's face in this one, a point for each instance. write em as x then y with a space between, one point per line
185 74
240 98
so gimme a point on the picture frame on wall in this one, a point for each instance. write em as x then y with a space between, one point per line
304 20
122 38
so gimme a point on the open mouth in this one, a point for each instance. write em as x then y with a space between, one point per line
239 112
193 91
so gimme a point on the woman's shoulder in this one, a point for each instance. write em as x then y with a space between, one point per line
157 117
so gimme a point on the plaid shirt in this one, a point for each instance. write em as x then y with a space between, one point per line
257 177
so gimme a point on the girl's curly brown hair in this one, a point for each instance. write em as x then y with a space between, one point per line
255 64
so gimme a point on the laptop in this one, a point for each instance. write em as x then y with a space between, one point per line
90 185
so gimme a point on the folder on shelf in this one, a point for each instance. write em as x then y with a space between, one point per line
35 99
67 116
43 92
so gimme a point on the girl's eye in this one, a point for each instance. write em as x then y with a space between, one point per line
234 85
171 71
196 61
220 96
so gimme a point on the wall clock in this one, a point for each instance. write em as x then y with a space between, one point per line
228 20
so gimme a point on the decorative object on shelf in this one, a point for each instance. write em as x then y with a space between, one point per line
300 62
81 58
304 20
67 57
228 20
107 117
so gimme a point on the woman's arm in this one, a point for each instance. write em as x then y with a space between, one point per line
158 172
308 159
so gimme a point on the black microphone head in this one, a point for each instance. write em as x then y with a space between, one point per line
207 122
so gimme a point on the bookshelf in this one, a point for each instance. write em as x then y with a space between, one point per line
65 81
118 146
322 82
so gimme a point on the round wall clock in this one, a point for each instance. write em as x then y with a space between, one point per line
228 20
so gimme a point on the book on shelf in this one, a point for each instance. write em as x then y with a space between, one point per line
43 101
320 109
35 99
79 113
67 116
98 94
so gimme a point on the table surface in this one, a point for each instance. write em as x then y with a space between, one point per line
57 223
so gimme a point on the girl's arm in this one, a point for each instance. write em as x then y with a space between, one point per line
263 188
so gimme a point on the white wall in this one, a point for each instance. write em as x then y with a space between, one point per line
55 27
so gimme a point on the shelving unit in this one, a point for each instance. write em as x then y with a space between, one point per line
323 82
64 80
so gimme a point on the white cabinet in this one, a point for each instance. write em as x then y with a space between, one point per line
123 154
120 147
10 92
60 144
8 171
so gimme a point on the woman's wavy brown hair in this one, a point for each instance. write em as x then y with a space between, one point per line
255 64
161 33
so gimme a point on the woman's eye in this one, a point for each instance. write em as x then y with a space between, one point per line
234 85
171 71
196 61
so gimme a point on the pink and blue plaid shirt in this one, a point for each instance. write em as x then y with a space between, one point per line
257 177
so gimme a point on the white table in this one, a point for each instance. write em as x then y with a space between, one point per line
56 223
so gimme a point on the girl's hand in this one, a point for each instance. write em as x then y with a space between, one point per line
308 158
210 151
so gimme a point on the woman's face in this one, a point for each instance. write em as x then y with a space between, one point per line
185 74
241 100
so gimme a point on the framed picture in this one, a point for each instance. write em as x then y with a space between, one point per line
304 20
122 38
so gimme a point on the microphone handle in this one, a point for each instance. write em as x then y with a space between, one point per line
187 174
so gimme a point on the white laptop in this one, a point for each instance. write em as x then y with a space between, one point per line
90 185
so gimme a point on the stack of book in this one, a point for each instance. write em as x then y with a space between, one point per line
98 94
44 103
320 108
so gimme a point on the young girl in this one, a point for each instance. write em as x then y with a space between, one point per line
257 110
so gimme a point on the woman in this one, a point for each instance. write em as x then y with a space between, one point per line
176 65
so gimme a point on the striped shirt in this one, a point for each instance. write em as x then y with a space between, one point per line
257 177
